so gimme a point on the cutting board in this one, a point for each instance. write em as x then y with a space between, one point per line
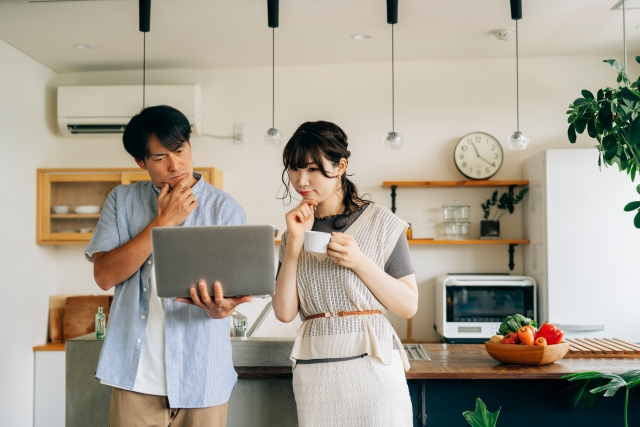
80 314
601 347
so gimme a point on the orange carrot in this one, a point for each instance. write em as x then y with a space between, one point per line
541 341
526 335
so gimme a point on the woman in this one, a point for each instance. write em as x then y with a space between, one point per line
348 361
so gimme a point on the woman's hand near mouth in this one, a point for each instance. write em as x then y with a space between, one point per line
300 219
175 206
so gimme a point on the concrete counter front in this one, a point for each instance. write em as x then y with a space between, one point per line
268 402
441 388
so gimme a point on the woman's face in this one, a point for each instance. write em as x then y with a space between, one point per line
311 184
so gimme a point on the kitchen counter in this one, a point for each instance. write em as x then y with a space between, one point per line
441 388
472 362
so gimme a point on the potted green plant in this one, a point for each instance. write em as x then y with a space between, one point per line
490 228
611 117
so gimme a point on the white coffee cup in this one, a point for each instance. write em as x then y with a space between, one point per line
316 241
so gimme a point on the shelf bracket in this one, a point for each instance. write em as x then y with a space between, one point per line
511 188
511 251
393 198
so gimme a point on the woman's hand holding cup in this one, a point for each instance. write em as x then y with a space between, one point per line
300 219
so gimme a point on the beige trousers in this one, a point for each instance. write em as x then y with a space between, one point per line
131 409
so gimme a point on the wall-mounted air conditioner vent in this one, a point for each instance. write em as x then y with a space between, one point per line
90 111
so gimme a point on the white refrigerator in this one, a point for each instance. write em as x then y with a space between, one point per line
585 251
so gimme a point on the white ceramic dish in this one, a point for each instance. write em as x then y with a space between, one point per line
88 209
86 230
60 209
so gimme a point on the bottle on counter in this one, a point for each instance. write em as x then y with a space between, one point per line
100 324
409 232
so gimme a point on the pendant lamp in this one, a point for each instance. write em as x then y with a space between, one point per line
273 136
145 26
517 140
393 140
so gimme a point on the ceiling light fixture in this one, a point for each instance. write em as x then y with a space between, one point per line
362 36
503 34
145 27
393 140
84 46
517 140
273 136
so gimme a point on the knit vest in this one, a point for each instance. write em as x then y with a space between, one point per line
324 286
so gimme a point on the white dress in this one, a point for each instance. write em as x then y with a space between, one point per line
365 391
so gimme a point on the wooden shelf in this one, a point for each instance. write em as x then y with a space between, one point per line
468 242
49 347
74 216
84 187
450 184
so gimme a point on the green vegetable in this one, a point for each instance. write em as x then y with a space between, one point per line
511 324
481 417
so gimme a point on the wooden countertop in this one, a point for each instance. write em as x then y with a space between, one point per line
49 347
472 362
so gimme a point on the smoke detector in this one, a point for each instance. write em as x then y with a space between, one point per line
503 34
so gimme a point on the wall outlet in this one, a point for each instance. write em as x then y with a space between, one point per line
239 134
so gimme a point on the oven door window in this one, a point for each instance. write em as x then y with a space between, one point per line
488 303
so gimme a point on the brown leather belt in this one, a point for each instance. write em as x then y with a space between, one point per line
342 314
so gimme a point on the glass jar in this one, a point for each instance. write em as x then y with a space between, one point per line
462 228
461 213
450 229
449 213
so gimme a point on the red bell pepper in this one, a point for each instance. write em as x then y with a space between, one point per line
552 334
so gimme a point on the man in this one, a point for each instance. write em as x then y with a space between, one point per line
168 360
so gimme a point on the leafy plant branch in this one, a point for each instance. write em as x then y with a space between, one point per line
628 380
611 117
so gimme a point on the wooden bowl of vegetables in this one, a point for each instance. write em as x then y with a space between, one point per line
528 345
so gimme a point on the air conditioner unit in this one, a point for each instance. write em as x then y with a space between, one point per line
89 111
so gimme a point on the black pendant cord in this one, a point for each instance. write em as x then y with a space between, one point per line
393 83
144 69
517 84
273 78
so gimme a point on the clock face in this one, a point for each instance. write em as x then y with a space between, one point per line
478 155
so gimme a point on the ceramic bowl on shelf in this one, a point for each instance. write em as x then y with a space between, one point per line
86 230
61 209
87 209
520 354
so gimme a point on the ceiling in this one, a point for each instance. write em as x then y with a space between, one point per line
233 33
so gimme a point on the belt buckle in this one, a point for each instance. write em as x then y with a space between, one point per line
334 314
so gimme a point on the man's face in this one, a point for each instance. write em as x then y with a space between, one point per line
167 167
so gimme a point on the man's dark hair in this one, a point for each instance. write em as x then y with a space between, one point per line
169 125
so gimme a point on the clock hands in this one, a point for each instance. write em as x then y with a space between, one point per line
478 154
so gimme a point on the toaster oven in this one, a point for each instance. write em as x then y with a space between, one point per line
470 308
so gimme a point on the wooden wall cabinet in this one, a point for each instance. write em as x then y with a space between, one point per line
82 187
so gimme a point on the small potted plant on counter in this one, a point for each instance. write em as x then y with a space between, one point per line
490 228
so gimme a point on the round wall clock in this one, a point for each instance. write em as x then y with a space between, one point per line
478 155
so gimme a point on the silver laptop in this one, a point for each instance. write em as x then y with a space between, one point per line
240 257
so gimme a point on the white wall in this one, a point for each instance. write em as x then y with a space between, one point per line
437 102
27 97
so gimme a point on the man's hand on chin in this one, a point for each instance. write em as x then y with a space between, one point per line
217 308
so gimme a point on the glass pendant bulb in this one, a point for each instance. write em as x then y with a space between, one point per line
273 137
518 141
393 140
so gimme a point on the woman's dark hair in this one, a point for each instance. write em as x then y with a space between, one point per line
169 125
312 143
